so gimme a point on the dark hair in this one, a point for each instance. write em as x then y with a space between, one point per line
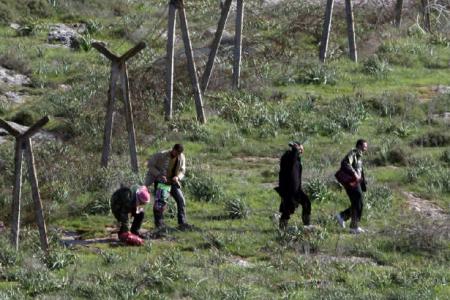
360 142
178 147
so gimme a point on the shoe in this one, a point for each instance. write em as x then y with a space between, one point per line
340 220
185 226
357 230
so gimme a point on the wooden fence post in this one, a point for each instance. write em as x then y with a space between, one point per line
398 12
170 60
238 44
326 30
215 45
351 31
191 64
426 15
119 71
23 144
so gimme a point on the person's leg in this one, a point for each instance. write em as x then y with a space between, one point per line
177 194
137 223
306 207
347 214
287 208
355 195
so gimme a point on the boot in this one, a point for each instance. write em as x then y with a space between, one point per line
159 219
306 220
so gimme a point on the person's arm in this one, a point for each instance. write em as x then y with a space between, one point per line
363 182
182 170
347 163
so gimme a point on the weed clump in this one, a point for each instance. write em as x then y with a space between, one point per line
432 139
376 67
203 187
236 208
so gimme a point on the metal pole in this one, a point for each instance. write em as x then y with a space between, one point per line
326 30
238 44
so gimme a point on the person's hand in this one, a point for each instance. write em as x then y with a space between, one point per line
357 177
162 178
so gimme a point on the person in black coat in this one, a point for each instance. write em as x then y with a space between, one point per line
290 186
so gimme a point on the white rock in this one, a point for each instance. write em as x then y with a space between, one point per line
11 77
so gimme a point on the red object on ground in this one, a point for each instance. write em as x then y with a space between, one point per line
131 239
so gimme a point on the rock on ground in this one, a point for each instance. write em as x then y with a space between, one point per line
65 34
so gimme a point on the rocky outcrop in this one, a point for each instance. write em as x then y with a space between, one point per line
65 34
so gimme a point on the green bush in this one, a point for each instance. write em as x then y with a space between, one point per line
418 168
98 206
203 187
39 282
59 258
302 239
378 199
432 139
375 66
317 190
8 255
13 62
236 208
445 156
310 73
345 113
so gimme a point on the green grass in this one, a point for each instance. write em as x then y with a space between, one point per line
404 255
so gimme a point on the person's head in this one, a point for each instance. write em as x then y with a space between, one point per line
362 145
176 150
142 195
298 146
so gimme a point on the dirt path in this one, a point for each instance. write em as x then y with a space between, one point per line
425 207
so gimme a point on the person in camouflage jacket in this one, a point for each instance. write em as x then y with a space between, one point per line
352 164
129 201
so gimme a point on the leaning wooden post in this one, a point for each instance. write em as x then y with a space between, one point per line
191 63
351 31
426 15
326 30
215 45
23 144
119 70
238 44
170 59
398 12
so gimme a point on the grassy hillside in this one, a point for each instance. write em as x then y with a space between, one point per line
397 97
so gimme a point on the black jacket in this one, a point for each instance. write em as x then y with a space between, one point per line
290 176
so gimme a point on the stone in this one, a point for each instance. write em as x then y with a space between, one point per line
13 78
64 34
227 37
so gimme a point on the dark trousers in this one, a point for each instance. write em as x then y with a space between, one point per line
288 206
356 208
135 226
178 196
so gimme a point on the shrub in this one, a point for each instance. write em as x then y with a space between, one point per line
375 66
59 258
310 73
344 112
445 157
378 199
40 282
236 209
13 62
418 168
8 255
433 139
98 206
317 190
203 187
110 258
302 239
24 117
438 180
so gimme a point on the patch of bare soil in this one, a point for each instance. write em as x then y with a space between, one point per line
425 207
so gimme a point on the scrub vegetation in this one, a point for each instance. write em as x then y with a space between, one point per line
397 97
